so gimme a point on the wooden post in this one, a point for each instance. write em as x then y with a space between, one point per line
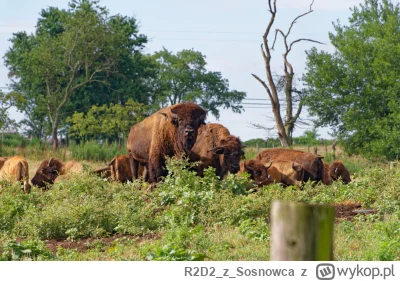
315 150
257 148
301 232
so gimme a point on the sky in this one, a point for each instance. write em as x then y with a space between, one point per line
227 32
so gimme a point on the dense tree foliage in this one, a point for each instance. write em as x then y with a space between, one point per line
69 51
184 77
107 122
356 89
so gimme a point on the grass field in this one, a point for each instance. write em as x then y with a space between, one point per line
191 218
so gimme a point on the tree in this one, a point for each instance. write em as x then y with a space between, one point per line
107 121
356 90
284 128
69 51
7 100
183 77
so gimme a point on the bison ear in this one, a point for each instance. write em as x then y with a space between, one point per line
165 115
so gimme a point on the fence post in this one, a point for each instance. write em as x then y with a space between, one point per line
257 147
301 232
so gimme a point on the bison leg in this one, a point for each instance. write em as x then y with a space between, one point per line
134 167
156 170
145 173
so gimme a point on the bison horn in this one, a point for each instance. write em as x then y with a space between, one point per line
336 170
173 115
50 162
270 163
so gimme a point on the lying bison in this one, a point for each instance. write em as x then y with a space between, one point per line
15 169
50 169
168 132
286 172
216 147
312 165
335 171
257 170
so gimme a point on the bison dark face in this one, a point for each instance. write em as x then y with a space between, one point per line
47 172
338 170
187 118
258 172
232 153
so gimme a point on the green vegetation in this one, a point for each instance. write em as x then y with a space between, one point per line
187 218
355 90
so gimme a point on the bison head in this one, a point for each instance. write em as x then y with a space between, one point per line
258 172
338 170
47 172
231 152
186 118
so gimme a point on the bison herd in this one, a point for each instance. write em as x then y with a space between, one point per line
180 130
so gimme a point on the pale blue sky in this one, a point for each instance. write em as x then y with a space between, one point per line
228 33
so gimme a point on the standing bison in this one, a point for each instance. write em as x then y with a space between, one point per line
15 169
312 165
216 147
50 169
168 132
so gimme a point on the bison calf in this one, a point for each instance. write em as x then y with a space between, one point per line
312 165
50 169
257 170
286 172
335 171
16 169
216 147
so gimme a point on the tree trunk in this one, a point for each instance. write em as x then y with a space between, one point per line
54 128
281 128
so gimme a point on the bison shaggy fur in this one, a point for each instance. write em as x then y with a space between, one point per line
15 169
216 147
286 172
168 132
50 169
257 170
312 164
335 171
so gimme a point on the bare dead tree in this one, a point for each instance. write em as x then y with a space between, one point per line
284 128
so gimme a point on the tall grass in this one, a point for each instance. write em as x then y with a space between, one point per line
94 151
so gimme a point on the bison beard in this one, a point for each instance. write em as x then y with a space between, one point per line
170 131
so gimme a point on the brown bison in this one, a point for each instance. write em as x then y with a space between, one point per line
16 169
168 132
312 165
50 169
335 171
118 169
286 172
216 147
104 172
257 170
